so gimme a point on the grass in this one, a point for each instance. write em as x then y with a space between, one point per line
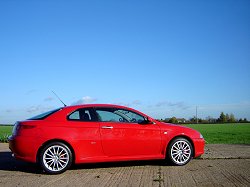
237 133
5 132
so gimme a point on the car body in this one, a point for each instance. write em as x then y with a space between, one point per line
94 133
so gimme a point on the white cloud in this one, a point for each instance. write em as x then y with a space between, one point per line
136 102
31 91
179 105
121 104
85 100
38 109
9 110
240 110
34 109
47 99
161 103
225 106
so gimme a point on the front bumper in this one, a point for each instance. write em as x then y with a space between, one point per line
199 146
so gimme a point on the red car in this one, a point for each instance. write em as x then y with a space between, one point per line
100 133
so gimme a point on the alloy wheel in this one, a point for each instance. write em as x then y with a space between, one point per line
181 152
56 158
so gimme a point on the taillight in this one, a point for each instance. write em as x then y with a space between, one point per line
19 127
28 126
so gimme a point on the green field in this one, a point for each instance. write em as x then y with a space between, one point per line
5 132
238 133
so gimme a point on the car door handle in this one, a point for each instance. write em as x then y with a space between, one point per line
107 127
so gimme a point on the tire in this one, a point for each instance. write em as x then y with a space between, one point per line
180 152
55 158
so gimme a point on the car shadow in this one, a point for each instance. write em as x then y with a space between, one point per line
118 164
8 163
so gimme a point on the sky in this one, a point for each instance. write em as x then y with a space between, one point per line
163 58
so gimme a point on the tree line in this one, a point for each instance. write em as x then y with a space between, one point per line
223 118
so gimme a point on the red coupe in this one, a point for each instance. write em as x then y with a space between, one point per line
100 133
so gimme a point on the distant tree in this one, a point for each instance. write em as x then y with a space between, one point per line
227 118
231 119
166 120
192 120
205 120
173 120
222 118
210 119
201 120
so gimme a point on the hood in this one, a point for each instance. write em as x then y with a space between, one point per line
181 129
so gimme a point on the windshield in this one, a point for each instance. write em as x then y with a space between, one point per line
44 115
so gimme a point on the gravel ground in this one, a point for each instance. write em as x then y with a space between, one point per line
221 165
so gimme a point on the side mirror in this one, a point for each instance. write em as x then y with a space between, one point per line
145 122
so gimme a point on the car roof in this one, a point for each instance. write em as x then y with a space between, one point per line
97 105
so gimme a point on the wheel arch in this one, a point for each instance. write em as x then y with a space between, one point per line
55 140
181 136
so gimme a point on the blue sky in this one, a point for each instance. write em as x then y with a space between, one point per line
160 57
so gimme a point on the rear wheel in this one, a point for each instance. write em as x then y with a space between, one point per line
180 151
55 158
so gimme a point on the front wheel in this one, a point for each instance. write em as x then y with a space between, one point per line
55 158
180 151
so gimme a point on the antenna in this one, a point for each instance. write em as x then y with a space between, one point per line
59 98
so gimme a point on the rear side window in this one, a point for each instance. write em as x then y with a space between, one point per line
75 115
44 115
83 114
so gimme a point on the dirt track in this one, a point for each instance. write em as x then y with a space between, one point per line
222 165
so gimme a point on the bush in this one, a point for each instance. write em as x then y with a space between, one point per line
4 138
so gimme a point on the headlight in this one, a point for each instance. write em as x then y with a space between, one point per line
201 136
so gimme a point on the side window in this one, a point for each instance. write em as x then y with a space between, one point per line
109 116
131 116
81 115
118 115
75 115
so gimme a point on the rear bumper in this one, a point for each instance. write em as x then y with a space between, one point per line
199 145
23 148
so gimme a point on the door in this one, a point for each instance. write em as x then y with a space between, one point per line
122 135
86 133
